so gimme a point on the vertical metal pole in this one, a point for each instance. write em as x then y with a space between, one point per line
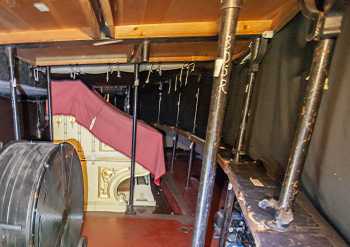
175 137
160 88
13 88
130 209
223 65
190 161
193 144
127 100
49 101
304 130
228 209
253 69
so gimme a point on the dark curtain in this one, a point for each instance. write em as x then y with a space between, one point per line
277 99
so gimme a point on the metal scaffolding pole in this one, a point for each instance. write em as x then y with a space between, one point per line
328 26
13 88
305 127
141 55
49 101
229 203
130 209
193 144
175 135
258 50
223 65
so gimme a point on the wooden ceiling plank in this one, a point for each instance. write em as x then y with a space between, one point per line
80 60
11 16
187 29
108 15
160 52
282 15
90 16
69 34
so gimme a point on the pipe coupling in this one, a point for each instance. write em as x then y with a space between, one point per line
225 4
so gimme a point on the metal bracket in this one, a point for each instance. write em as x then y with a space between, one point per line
140 53
258 52
327 18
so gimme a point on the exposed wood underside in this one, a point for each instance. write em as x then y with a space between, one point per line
65 20
119 53
21 22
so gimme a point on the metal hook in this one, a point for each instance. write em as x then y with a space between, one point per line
36 74
149 73
176 83
107 74
169 89
187 74
72 76
160 70
181 73
118 72
193 67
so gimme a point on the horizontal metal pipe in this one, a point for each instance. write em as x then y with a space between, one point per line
10 227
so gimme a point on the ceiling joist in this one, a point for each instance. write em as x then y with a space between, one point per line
108 17
91 18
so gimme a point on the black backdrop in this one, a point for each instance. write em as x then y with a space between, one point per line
279 91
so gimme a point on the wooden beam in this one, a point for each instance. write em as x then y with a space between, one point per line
108 15
79 60
90 16
281 16
187 29
21 37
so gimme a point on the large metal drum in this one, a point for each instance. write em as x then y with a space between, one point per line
41 195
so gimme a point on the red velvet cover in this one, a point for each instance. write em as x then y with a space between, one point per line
109 124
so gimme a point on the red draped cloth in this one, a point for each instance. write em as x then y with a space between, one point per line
110 125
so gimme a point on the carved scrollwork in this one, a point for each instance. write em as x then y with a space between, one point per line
107 184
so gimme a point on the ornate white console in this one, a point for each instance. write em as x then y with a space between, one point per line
105 169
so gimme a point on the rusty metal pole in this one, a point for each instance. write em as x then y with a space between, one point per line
49 101
328 26
305 127
13 90
223 65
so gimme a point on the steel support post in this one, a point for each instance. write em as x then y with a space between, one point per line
13 89
304 130
258 49
223 65
130 209
175 135
190 161
228 209
193 144
49 101
328 26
